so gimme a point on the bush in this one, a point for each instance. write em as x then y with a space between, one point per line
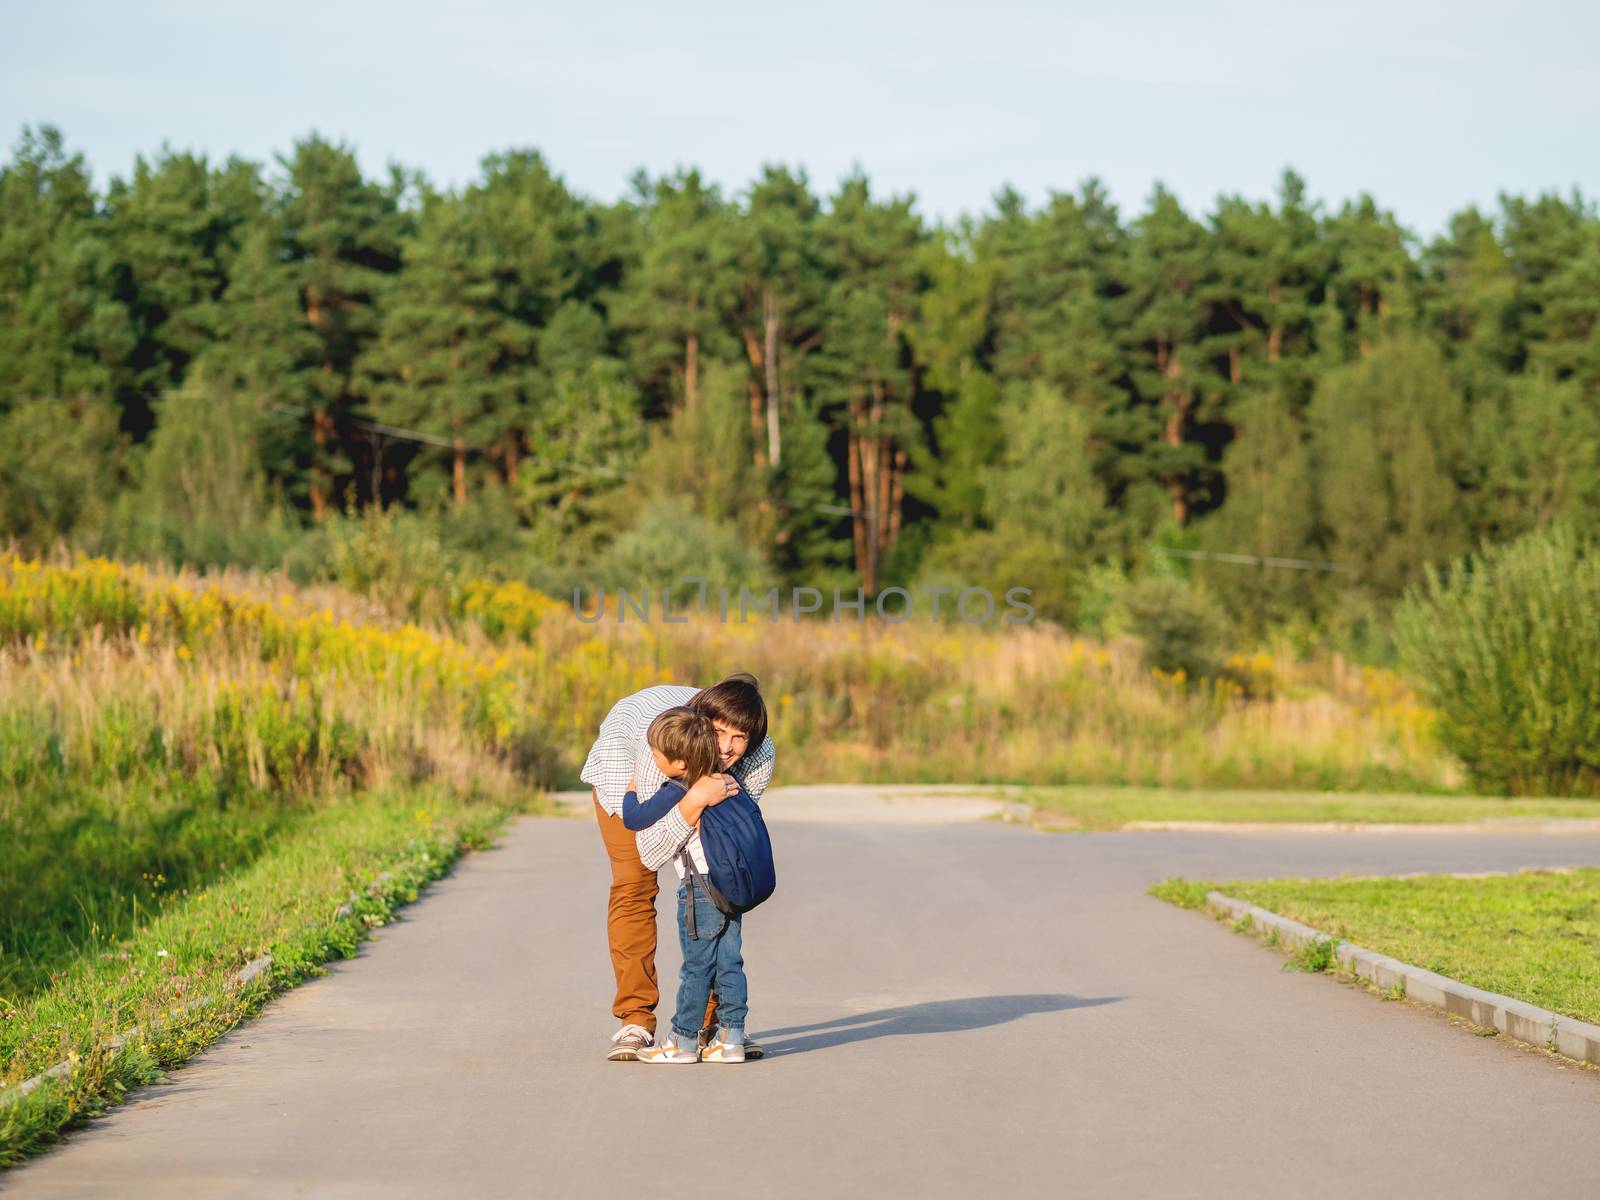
999 560
202 495
668 542
57 469
1181 626
1506 645
391 556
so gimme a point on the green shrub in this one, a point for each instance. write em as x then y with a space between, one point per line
1181 626
669 542
1001 559
1506 646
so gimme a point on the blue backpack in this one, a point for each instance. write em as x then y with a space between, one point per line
738 854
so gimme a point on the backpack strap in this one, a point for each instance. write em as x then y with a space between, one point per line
692 876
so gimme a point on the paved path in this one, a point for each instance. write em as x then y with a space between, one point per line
949 1009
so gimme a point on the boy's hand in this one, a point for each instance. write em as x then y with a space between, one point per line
707 792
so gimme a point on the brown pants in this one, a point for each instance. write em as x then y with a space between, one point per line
631 927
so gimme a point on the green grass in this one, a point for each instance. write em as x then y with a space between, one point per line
82 865
374 853
1185 893
1533 936
1105 808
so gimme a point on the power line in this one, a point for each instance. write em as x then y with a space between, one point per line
1256 560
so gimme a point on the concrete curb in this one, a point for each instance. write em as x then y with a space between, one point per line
240 978
243 977
1514 1018
1491 825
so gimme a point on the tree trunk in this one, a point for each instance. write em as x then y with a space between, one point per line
321 477
773 324
691 370
752 350
458 471
858 522
757 454
897 494
1235 366
319 502
1177 402
321 422
1275 334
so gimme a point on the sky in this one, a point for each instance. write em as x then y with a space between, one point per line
1428 106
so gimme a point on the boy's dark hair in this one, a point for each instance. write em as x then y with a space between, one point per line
737 701
682 733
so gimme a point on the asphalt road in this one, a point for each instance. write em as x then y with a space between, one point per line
948 1009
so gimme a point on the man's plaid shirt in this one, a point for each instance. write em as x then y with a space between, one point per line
621 752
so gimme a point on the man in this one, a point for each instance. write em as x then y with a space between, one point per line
620 756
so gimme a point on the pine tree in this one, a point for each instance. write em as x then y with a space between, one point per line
449 360
948 472
1267 513
1536 449
1373 277
63 334
1166 334
675 300
265 353
343 234
585 435
781 283
873 259
1469 294
174 226
1387 445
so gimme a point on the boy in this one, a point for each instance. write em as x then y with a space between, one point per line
620 752
683 744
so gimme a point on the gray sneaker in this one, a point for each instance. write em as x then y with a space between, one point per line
628 1041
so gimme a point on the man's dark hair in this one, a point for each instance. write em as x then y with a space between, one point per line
737 701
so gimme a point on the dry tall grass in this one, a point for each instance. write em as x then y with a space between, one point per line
513 682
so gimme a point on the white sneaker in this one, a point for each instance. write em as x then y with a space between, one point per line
669 1052
710 1033
627 1042
720 1051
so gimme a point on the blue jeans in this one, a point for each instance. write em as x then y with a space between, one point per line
714 957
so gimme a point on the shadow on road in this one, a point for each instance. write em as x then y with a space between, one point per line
935 1016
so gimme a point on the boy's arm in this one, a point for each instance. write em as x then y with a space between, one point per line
648 776
755 772
637 816
662 841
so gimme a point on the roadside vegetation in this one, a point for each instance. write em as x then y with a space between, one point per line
163 978
1534 936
